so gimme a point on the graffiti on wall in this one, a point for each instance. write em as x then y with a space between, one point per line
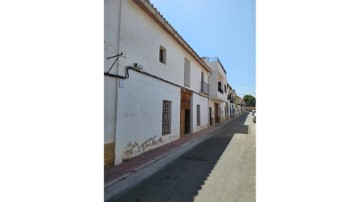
132 149
129 150
151 142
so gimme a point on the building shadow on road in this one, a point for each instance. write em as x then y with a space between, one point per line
182 179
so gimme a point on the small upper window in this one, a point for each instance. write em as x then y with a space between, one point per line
162 55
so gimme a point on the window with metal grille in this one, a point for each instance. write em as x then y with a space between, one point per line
166 117
198 114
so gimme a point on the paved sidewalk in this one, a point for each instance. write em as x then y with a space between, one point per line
126 168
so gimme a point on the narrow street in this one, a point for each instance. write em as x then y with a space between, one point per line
222 168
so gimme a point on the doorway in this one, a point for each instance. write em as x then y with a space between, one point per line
187 121
185 117
217 116
210 120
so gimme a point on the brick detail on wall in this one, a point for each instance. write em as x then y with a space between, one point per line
109 154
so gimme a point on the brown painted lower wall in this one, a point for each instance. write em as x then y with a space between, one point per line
109 154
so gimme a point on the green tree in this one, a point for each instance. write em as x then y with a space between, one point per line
249 100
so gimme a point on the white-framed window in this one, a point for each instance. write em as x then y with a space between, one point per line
162 55
166 117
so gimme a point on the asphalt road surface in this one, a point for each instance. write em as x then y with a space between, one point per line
222 168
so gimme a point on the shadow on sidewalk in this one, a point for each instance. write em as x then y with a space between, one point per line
182 179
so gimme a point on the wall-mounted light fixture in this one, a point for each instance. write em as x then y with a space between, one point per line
138 66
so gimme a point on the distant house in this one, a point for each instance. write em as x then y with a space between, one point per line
238 105
155 85
242 105
218 103
232 102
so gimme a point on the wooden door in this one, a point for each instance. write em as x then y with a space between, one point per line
185 108
217 117
187 121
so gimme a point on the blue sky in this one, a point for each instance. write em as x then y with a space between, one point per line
225 29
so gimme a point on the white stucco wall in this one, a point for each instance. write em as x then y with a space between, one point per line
140 113
237 110
195 76
204 112
110 97
214 79
215 95
111 31
222 96
133 114
111 47
140 41
232 107
211 104
221 71
222 107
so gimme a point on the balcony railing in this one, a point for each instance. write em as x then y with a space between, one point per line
213 59
220 90
231 98
205 88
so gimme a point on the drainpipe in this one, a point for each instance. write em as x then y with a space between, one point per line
117 86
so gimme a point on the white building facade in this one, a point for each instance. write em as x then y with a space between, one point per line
232 102
218 105
240 104
156 87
